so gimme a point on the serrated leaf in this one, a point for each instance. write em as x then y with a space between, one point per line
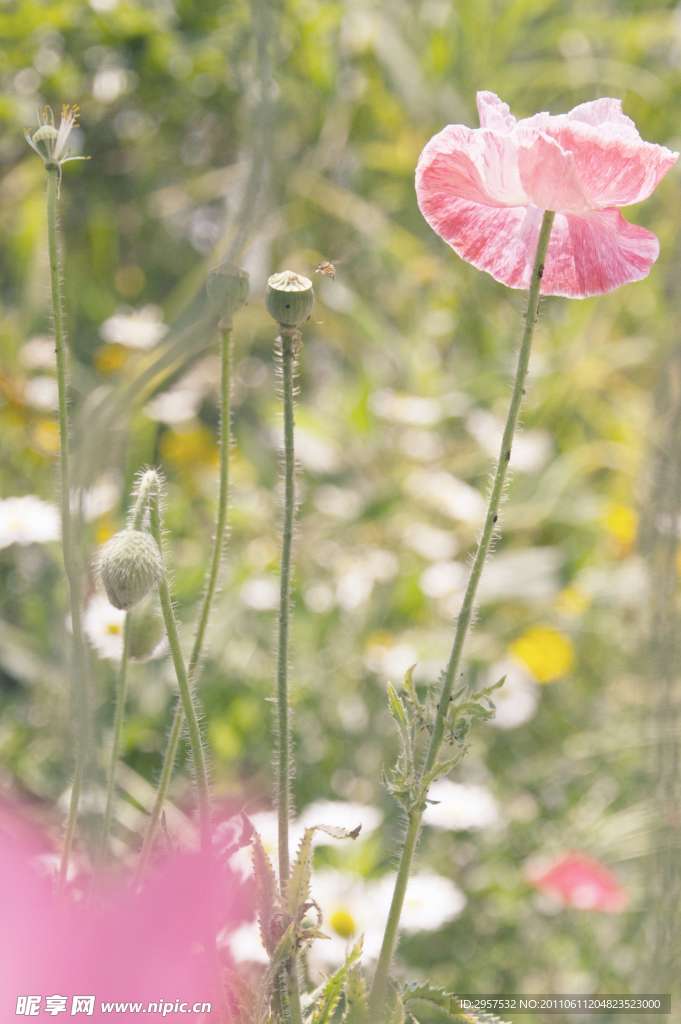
394 1007
441 768
433 1005
438 996
298 886
479 1017
356 1004
266 895
331 992
397 709
409 687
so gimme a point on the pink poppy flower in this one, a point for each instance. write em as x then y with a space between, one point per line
156 946
484 190
583 883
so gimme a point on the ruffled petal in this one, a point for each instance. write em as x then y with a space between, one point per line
494 113
471 163
600 111
614 165
596 252
548 173
589 254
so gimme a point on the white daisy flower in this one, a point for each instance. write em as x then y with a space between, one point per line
28 520
103 625
460 806
138 329
517 700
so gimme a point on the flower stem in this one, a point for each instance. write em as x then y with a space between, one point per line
289 340
211 586
68 545
378 988
118 728
195 741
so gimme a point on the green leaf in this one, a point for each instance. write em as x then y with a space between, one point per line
400 716
441 768
331 992
356 1005
442 1006
394 1007
298 888
266 895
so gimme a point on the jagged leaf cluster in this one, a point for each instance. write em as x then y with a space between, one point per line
407 782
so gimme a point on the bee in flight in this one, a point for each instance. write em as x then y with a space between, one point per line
327 268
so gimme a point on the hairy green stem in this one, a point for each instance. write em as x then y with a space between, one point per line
118 729
68 544
289 339
212 578
195 742
380 982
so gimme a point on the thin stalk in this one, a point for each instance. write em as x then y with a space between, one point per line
195 742
68 546
380 982
288 338
148 484
118 729
212 577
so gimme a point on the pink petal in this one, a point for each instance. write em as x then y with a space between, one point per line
600 111
614 165
494 113
589 254
471 163
582 882
548 173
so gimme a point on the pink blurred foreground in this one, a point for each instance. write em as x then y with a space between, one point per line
484 191
581 882
157 945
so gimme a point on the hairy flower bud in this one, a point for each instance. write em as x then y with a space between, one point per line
289 298
228 289
129 566
146 629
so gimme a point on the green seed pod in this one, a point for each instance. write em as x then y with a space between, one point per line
146 629
129 566
289 298
47 131
228 289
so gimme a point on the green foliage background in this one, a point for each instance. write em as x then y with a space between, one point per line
284 134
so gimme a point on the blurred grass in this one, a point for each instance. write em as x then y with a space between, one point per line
285 134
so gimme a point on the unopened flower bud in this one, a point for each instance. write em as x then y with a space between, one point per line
289 298
130 565
146 629
228 289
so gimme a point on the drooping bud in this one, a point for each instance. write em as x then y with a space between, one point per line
289 298
146 629
129 565
228 289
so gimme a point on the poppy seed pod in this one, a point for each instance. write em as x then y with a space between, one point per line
289 298
146 629
129 566
228 289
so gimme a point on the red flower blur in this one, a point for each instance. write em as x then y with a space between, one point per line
581 882
155 946
484 190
